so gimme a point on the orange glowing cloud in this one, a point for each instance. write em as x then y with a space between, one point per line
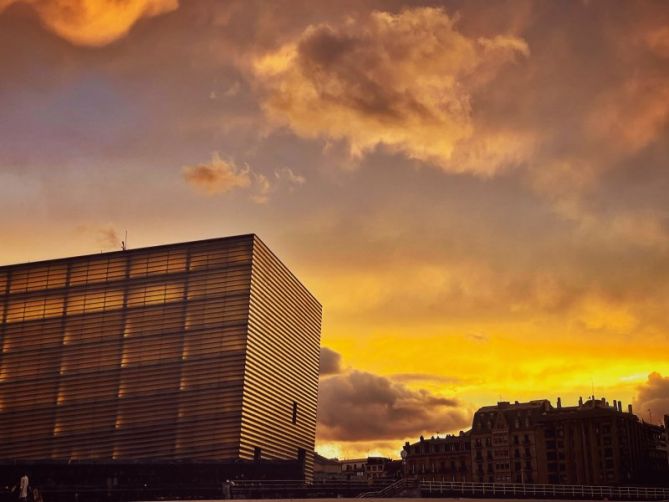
220 176
217 176
403 82
633 115
94 22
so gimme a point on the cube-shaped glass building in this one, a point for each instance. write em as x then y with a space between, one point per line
199 351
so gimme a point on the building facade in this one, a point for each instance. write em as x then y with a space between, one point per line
506 443
326 469
368 469
202 351
593 443
597 443
447 458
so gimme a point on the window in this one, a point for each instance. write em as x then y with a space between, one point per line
294 420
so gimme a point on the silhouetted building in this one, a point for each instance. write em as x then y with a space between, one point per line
598 443
666 436
393 469
448 458
506 443
326 469
593 443
354 468
367 469
205 351
376 467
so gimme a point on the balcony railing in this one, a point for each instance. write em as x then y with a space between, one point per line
434 488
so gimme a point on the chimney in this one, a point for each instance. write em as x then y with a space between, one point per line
580 401
620 406
615 405
559 403
629 409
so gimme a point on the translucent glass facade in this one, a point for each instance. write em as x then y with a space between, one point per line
199 350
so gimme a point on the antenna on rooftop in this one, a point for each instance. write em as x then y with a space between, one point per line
124 243
592 385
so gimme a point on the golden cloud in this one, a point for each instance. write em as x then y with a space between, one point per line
94 22
403 82
632 115
217 176
658 41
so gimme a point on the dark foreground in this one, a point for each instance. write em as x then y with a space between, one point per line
400 490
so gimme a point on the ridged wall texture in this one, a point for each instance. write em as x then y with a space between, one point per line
196 351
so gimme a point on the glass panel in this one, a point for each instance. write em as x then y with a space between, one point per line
95 301
152 349
166 319
53 306
99 415
198 260
37 308
37 278
204 258
75 303
19 281
95 327
57 276
45 335
137 381
208 342
155 294
177 261
19 365
116 268
78 273
90 357
97 270
138 266
157 264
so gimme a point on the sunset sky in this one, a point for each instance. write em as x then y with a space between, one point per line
477 192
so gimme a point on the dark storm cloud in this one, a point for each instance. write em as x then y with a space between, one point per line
362 406
653 395
330 363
